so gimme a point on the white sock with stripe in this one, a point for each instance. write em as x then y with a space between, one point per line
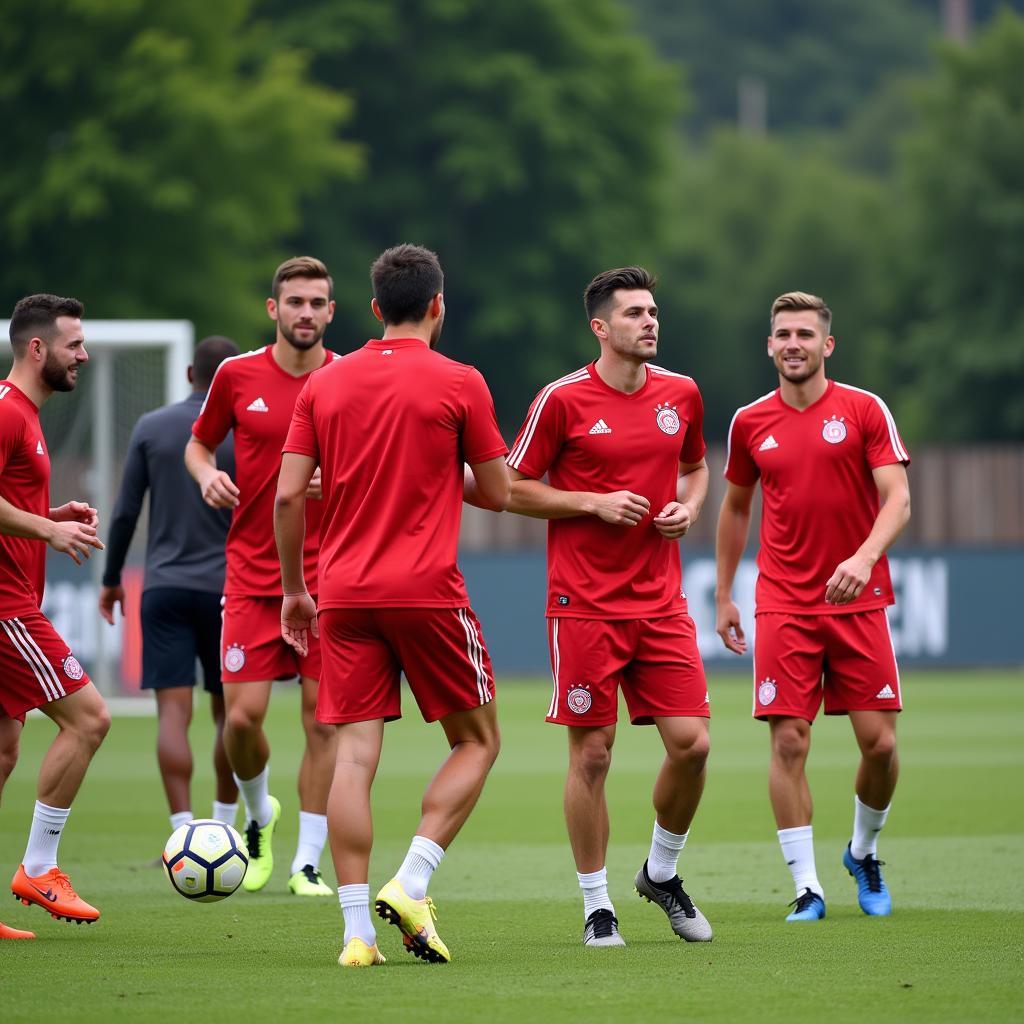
595 891
256 794
312 836
422 860
798 849
355 908
43 837
867 823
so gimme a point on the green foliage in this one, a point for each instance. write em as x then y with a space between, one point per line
155 157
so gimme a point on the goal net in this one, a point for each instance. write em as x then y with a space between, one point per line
134 366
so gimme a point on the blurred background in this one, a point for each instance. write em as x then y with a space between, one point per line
159 161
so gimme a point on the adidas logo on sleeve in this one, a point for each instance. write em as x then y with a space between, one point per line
258 406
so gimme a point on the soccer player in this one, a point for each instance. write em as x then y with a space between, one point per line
184 580
833 479
37 668
391 425
622 445
254 395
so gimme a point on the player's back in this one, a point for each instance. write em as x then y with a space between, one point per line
393 423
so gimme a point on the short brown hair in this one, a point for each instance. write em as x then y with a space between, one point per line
36 316
209 354
599 292
405 278
795 302
301 266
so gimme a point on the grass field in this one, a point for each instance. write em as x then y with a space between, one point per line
509 906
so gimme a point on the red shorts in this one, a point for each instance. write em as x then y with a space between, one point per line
440 650
655 661
847 659
252 648
36 666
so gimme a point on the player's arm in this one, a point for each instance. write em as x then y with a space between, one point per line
298 611
535 498
678 516
852 575
70 537
486 485
730 540
218 489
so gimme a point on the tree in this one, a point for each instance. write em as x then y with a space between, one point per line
155 157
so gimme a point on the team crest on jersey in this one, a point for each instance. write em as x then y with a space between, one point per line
579 700
72 667
234 658
834 430
766 692
668 418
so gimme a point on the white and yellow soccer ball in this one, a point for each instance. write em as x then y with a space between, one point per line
205 860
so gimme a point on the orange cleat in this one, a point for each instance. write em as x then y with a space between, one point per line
53 892
14 933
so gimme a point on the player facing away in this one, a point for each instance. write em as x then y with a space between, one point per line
37 668
832 469
254 396
621 441
184 580
391 426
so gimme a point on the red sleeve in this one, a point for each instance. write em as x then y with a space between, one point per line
693 447
12 432
481 439
540 438
883 445
301 438
740 468
217 415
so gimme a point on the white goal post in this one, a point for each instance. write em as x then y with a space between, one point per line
134 366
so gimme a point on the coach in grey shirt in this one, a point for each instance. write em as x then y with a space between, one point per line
184 578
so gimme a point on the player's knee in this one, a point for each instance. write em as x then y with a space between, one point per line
8 759
94 726
790 744
880 748
241 720
591 760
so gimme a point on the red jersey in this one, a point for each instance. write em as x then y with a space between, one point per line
251 395
391 425
25 483
820 499
588 436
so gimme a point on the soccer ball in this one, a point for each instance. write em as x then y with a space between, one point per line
205 860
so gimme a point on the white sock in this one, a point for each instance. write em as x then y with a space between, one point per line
422 860
867 823
595 891
664 856
180 818
355 908
44 835
256 794
312 836
798 850
225 812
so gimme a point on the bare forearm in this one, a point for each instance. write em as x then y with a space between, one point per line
692 490
889 523
731 539
541 501
16 522
199 461
290 533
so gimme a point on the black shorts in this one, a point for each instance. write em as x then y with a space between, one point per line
179 626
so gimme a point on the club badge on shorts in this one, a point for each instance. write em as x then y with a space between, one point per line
72 667
579 700
834 430
667 418
234 658
766 692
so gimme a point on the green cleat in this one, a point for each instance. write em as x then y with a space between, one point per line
358 954
415 919
261 856
309 882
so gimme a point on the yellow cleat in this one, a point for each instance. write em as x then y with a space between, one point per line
309 882
416 919
358 954
261 856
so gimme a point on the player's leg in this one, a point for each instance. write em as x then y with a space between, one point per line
225 791
10 734
173 753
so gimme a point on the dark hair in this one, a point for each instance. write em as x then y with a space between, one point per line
598 293
405 278
209 354
301 266
35 316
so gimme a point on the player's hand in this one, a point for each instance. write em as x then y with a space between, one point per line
314 490
673 520
727 626
109 598
219 490
76 512
74 539
849 579
298 621
621 508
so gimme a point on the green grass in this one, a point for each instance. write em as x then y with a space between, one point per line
509 906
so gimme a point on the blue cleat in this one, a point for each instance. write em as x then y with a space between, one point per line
872 893
809 906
